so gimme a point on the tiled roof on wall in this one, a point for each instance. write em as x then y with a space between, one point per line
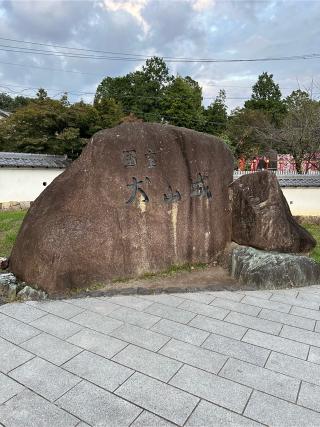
294 180
28 160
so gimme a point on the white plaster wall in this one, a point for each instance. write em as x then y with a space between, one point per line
303 201
24 185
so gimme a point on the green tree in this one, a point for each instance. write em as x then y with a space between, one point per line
139 92
42 94
300 132
297 100
216 115
110 111
266 96
181 104
249 132
52 126
6 102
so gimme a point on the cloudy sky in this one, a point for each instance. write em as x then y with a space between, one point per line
218 29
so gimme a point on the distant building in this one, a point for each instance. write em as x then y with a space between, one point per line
24 176
4 114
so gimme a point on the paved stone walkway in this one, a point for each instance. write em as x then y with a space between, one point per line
193 359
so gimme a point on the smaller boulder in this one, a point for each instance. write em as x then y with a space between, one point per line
7 278
8 286
261 216
272 270
28 293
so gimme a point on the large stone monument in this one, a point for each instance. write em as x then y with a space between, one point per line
140 198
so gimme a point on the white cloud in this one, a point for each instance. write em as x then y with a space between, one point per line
201 5
133 7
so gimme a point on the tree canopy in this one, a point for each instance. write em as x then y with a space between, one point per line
266 121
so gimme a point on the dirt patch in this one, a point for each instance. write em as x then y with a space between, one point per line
210 278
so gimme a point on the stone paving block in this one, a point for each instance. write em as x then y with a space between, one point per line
236 306
193 355
98 370
131 302
181 332
134 317
148 362
254 323
141 337
8 388
160 398
30 410
51 348
205 298
288 299
204 309
305 312
213 388
218 327
309 396
170 313
12 356
238 349
100 306
58 308
262 379
317 329
97 322
275 412
56 326
98 343
287 319
98 407
295 368
310 296
15 331
301 335
314 355
146 419
233 296
22 312
272 342
207 414
44 378
263 303
165 299
259 294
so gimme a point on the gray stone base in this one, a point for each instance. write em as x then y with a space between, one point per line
252 267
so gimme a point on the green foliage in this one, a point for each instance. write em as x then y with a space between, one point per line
246 131
314 229
300 131
181 104
216 115
11 104
45 125
139 92
266 96
10 223
297 99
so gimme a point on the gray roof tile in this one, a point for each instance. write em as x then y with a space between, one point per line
295 180
28 160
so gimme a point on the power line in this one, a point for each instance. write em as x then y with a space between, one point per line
139 57
49 69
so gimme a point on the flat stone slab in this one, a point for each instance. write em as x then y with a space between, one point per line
243 358
272 270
